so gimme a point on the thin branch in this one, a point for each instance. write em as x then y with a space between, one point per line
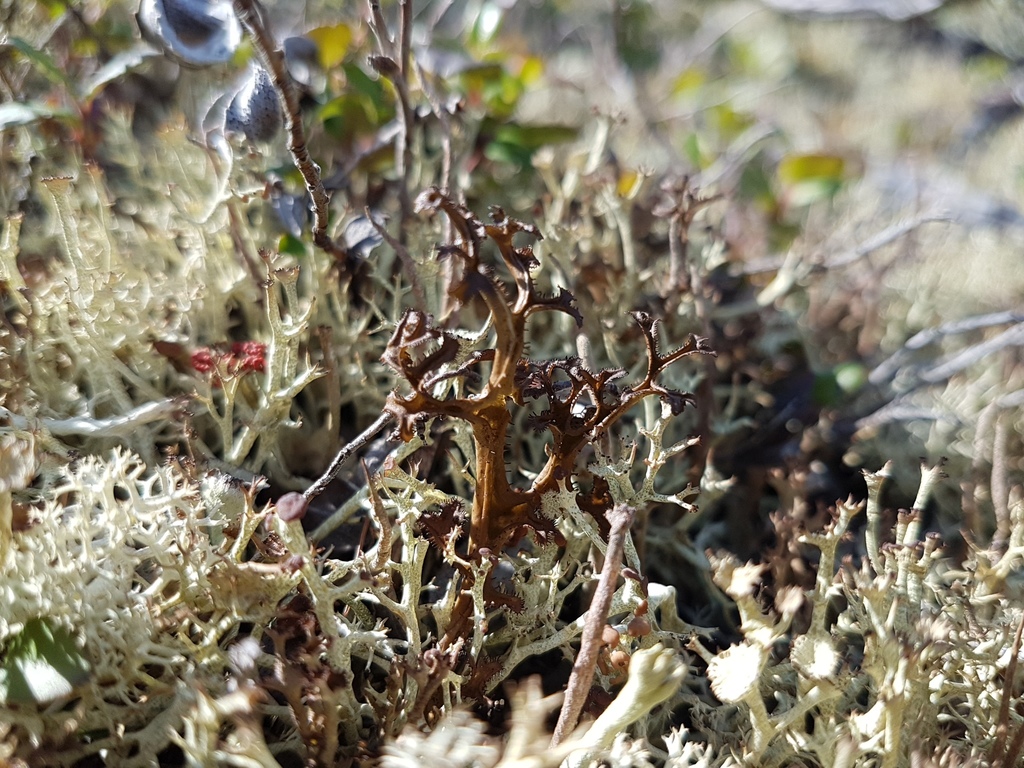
379 27
443 116
999 483
953 364
331 383
677 244
345 453
621 518
997 756
447 174
882 239
403 255
115 426
888 368
405 38
844 258
273 60
235 228
394 65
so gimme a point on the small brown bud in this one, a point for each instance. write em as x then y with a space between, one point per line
292 507
610 636
638 627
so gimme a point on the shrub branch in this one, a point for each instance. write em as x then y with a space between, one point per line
273 59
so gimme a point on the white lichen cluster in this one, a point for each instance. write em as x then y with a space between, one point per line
162 604
120 561
104 334
901 658
131 584
143 576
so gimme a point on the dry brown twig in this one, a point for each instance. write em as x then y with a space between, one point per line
444 117
345 453
403 255
394 64
1002 755
621 518
270 54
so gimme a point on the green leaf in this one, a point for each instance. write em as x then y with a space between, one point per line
506 152
691 146
514 143
728 122
362 83
797 168
354 114
489 85
851 377
332 43
292 246
532 69
811 177
755 184
44 64
825 391
365 106
535 136
689 80
636 38
502 95
41 664
831 388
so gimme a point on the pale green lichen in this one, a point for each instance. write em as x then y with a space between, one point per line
140 539
916 666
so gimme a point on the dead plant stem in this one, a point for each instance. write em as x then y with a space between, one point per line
394 64
621 518
343 455
403 254
273 59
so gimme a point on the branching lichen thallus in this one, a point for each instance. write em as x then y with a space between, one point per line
581 405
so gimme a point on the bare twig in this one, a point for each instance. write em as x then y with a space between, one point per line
881 239
379 27
997 756
394 65
343 455
621 518
403 255
678 240
439 110
405 138
405 38
235 228
991 425
953 364
844 258
999 483
888 368
273 60
447 175
331 382
115 426
685 202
